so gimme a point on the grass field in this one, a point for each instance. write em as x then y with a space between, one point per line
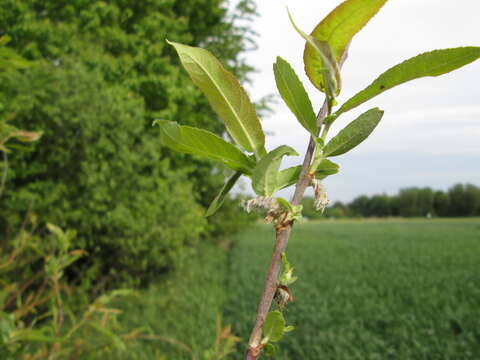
399 289
182 310
402 289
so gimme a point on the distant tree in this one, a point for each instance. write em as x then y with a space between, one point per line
360 206
440 203
415 202
464 200
380 206
394 205
411 202
425 201
337 210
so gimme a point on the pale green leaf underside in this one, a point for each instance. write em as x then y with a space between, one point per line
274 326
295 96
432 63
265 174
354 133
288 177
220 198
190 140
326 168
338 28
329 72
226 96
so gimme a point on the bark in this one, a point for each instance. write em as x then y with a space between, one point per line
282 235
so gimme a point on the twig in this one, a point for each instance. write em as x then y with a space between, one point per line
281 239
282 236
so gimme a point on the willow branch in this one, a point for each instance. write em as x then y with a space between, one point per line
282 235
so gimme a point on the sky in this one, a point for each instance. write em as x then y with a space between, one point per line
430 132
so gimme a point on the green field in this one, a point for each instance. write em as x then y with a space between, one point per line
400 289
370 290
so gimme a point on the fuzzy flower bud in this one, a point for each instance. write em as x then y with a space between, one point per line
267 206
321 198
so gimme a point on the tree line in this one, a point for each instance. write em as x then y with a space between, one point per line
460 200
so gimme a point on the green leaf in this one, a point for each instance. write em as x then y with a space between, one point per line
274 326
4 40
326 168
10 60
286 277
269 349
42 335
432 63
57 231
295 96
329 73
288 177
289 328
320 142
220 198
354 133
294 212
265 174
115 340
27 136
337 29
200 142
226 96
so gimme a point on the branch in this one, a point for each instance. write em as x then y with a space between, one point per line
282 236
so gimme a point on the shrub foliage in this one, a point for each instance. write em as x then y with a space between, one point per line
103 73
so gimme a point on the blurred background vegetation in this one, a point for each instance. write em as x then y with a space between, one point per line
91 76
102 73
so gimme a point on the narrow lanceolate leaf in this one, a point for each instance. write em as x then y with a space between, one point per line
337 29
288 177
432 63
220 198
354 133
329 72
265 174
293 93
274 326
326 168
190 140
27 136
226 96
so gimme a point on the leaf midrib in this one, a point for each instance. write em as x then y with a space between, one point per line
267 177
200 152
335 28
298 112
252 144
387 73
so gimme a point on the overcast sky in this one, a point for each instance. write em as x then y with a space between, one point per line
430 133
